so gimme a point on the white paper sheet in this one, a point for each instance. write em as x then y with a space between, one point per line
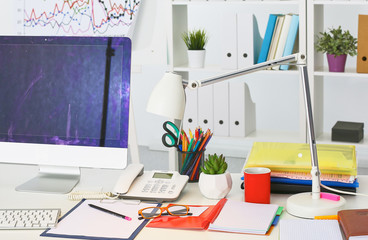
304 229
89 222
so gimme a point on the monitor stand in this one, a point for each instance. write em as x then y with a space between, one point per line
52 179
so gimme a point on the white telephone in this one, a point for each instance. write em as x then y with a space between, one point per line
154 185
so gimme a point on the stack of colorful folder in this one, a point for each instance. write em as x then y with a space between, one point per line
290 165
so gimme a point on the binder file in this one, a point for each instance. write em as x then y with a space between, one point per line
190 120
241 109
205 107
362 58
282 40
291 38
267 38
245 40
275 37
229 41
221 109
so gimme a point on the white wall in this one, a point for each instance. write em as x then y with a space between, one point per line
149 64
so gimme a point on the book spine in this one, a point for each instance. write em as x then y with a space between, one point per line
290 40
267 38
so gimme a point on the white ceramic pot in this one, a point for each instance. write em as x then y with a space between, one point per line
196 58
215 186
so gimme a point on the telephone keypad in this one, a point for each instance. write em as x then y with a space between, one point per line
158 186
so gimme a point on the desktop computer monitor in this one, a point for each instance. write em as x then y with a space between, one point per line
64 104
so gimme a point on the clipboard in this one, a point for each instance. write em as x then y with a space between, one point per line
84 222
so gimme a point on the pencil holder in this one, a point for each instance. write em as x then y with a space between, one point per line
190 162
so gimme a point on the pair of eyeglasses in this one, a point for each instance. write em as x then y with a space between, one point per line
174 210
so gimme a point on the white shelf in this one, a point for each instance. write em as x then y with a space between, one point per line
214 68
266 85
346 2
349 72
325 138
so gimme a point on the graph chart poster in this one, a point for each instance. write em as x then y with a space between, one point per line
76 17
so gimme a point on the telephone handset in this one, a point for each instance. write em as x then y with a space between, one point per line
154 185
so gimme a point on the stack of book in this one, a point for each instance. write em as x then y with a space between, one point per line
354 223
280 38
290 165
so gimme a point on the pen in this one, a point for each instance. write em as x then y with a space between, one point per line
110 212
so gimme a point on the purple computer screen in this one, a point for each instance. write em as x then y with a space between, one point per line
52 90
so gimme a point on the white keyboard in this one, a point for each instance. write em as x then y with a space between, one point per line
28 218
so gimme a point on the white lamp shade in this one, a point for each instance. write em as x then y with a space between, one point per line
168 97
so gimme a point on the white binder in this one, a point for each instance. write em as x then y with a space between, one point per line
241 109
205 107
282 40
190 120
229 41
221 109
245 40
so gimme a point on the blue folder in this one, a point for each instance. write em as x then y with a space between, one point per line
267 38
290 40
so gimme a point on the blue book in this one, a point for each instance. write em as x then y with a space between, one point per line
267 38
355 184
290 40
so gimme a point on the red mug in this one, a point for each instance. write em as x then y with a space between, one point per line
257 185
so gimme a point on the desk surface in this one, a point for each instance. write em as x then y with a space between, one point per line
95 179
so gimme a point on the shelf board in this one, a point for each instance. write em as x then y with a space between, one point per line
215 68
325 138
349 72
247 2
346 2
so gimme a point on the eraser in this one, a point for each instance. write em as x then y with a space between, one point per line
330 196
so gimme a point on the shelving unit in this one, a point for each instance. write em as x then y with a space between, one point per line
281 115
336 96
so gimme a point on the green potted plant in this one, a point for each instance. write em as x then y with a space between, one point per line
195 40
214 182
337 44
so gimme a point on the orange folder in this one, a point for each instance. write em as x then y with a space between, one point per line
362 58
200 222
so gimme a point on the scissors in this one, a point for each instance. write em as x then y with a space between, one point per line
172 136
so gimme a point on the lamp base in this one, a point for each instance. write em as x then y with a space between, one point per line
304 206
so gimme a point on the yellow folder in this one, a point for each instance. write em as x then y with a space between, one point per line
296 157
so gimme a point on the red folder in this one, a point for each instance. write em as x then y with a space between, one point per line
200 222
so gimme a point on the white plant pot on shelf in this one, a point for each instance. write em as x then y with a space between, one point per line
196 58
215 186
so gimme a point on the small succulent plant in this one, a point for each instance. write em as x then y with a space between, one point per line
214 164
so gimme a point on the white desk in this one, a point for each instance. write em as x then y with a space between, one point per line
92 179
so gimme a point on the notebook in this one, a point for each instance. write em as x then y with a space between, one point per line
354 223
304 229
243 217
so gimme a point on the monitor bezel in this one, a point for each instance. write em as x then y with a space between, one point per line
78 156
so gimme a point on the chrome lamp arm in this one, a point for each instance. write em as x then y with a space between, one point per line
168 99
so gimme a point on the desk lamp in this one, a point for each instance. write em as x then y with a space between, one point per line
168 99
